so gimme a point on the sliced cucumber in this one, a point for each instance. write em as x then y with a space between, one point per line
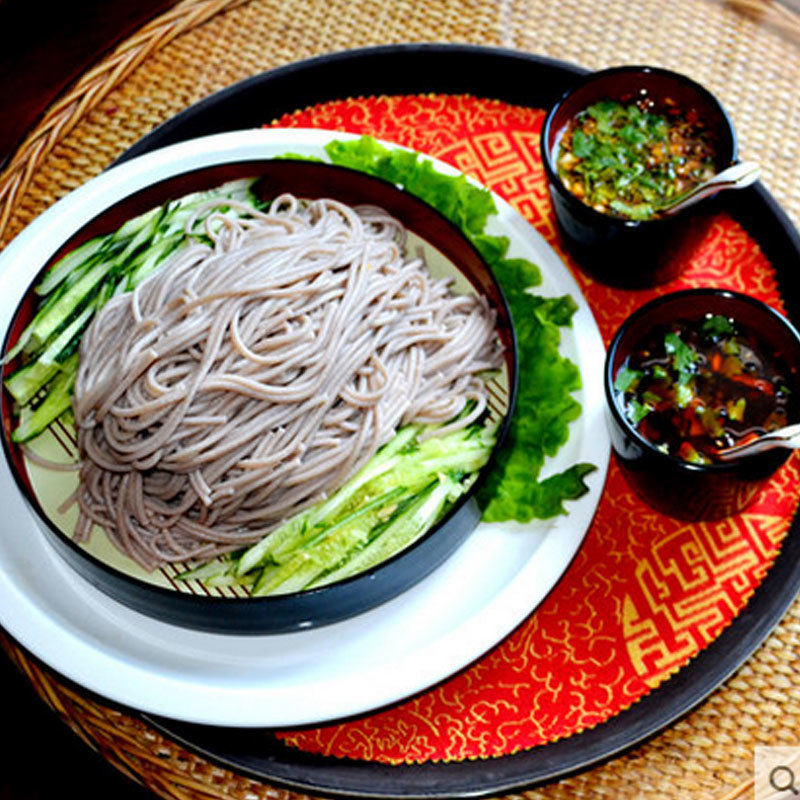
329 547
286 539
27 381
59 399
64 266
400 533
396 496
68 303
149 261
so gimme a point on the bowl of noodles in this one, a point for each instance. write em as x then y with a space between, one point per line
258 395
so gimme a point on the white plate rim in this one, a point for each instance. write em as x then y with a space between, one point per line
246 681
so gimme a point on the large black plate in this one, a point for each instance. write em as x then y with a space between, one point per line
537 82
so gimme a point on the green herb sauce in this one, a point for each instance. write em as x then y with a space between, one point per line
628 161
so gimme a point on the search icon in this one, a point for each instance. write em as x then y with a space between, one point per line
787 783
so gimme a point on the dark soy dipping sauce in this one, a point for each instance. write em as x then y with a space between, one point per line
694 387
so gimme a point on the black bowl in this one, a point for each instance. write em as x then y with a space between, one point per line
621 252
669 484
212 610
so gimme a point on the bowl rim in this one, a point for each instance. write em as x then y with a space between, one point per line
731 295
188 600
553 177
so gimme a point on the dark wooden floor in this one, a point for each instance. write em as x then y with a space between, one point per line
43 48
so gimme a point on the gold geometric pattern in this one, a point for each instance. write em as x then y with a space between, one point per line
708 566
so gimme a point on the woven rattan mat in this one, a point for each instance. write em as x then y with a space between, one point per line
747 52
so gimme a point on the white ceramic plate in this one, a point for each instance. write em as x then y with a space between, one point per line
494 580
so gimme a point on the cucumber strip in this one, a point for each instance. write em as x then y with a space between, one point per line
49 322
181 210
271 579
105 293
461 451
284 539
131 227
108 252
261 552
215 573
328 548
207 571
457 453
27 381
300 538
50 355
23 342
401 532
59 399
109 248
142 237
224 579
64 266
115 263
398 495
415 471
118 246
150 260
377 509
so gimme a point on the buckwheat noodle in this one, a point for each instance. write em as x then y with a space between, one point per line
251 376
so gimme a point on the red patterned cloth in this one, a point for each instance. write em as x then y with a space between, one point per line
646 592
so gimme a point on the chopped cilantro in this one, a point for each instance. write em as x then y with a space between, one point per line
629 161
627 379
637 411
717 325
706 398
735 409
631 210
582 145
683 357
683 394
730 347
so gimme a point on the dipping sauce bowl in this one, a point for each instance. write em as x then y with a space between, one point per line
617 250
669 483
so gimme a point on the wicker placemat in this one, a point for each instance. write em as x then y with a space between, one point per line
747 52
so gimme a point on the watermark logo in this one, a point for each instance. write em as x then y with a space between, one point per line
777 773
